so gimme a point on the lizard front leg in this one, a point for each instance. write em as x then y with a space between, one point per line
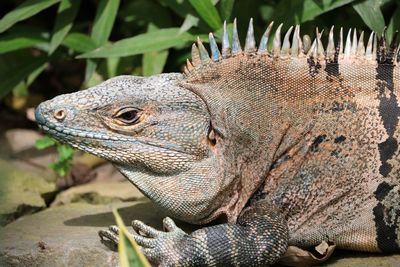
259 237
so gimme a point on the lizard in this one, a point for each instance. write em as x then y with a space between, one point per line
271 147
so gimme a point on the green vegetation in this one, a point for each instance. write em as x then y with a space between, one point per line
44 40
65 154
129 251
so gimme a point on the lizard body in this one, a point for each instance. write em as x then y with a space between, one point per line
290 146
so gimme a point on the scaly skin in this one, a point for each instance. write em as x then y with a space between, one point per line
284 148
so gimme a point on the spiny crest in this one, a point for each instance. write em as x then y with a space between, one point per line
295 46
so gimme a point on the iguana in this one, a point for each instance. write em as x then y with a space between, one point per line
289 146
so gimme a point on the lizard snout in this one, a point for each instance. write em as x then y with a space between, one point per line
39 114
46 114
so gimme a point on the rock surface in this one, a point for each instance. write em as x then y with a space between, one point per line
21 192
99 193
67 235
352 259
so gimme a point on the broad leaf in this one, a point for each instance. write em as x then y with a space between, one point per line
79 42
152 41
45 142
19 73
207 12
154 62
225 7
371 14
188 23
25 10
65 16
20 40
394 24
181 8
297 12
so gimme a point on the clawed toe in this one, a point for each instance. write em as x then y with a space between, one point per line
110 237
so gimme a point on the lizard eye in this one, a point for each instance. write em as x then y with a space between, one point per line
128 115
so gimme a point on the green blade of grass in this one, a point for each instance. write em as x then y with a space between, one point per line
129 251
147 42
153 62
371 14
65 16
104 21
207 12
25 10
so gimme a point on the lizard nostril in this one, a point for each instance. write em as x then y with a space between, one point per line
60 114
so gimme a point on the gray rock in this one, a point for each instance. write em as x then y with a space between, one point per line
21 139
67 235
21 192
99 193
351 259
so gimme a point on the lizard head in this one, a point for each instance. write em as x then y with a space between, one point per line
155 132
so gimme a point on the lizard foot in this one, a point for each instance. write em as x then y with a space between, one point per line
110 237
162 248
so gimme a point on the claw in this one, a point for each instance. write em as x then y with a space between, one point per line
110 237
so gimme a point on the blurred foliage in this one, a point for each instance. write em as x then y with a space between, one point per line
50 47
129 251
65 154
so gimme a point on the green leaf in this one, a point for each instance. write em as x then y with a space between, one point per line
79 42
394 23
61 168
45 142
20 40
147 42
297 12
371 14
65 152
207 12
32 77
188 23
112 66
25 10
154 62
181 8
90 69
19 73
137 12
128 250
65 16
225 8
103 22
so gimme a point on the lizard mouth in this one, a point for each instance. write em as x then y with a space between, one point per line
76 137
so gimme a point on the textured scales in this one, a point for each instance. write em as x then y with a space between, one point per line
297 145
